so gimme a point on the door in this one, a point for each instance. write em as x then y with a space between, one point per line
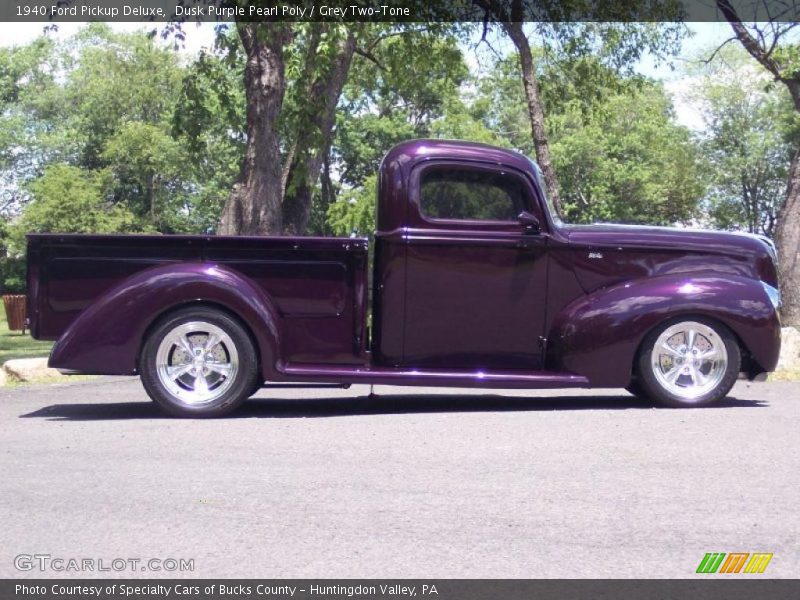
475 276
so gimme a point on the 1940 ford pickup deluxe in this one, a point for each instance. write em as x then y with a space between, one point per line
476 283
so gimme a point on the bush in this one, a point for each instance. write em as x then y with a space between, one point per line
12 275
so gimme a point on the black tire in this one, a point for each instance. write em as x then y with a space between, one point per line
179 398
653 386
635 388
256 386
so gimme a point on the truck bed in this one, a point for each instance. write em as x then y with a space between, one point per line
319 285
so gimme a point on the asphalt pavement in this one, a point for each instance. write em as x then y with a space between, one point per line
418 483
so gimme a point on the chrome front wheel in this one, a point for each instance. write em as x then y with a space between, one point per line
689 359
689 362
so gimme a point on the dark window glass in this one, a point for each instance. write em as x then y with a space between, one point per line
471 195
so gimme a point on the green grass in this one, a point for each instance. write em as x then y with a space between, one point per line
788 375
13 344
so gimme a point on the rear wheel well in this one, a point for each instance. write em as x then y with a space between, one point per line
165 314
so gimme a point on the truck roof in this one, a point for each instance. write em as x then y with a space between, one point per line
413 150
397 164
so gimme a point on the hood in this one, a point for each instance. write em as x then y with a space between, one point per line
646 236
604 253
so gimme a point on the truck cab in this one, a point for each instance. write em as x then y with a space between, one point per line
475 282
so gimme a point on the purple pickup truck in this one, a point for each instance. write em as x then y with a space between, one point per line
475 283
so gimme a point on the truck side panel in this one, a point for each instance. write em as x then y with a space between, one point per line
317 286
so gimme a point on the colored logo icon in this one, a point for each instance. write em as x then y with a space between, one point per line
736 562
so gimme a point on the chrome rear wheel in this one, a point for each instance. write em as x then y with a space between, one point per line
199 362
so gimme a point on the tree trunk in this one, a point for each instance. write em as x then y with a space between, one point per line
254 204
151 198
787 239
787 228
327 192
514 30
314 138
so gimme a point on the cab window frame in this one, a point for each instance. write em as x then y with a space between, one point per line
529 195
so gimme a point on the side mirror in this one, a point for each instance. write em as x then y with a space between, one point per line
529 221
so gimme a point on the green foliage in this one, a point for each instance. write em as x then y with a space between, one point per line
31 103
629 163
388 99
12 268
118 78
354 212
110 132
209 123
12 275
147 163
615 45
617 151
105 101
751 131
71 199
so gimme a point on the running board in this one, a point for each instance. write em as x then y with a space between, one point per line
430 377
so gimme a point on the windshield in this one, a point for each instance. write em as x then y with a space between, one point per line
543 190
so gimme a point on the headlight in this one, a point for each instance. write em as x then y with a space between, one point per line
773 293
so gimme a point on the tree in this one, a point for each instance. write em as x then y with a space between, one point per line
149 160
304 68
254 205
100 99
617 41
616 149
354 211
386 101
289 121
627 163
327 65
771 46
31 102
211 126
74 200
744 141
118 78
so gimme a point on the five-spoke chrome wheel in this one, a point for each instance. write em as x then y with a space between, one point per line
689 359
688 362
197 362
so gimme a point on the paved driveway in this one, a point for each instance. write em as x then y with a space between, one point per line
441 483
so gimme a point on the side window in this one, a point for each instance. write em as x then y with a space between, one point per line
471 195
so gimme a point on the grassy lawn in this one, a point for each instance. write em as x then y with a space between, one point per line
15 345
791 375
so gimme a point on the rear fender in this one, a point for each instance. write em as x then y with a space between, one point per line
598 335
106 338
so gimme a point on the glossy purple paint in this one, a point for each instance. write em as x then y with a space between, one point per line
483 304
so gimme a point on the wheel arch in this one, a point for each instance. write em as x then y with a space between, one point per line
216 306
107 337
599 335
681 316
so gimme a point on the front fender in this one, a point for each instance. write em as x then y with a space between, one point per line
598 335
106 338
